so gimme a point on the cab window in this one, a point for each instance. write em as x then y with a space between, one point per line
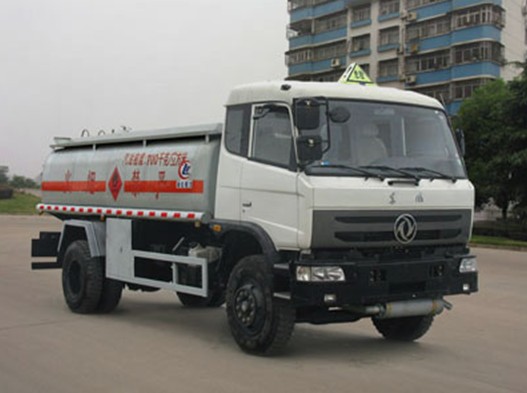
272 140
237 129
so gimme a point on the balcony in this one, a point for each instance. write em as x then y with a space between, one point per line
387 47
315 39
360 53
315 67
393 15
476 33
317 11
433 9
360 23
457 4
481 69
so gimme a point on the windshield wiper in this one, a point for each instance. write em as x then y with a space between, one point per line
440 175
395 170
364 172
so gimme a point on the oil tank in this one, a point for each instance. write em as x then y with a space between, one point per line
172 169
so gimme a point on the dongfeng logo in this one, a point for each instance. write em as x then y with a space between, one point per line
405 228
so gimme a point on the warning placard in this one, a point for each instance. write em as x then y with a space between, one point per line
355 74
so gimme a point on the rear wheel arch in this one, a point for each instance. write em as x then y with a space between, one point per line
92 232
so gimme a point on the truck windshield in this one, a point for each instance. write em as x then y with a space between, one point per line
386 140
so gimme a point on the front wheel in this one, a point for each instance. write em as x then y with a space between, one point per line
259 323
403 329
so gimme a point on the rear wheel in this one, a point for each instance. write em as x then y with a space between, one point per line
82 278
403 329
110 296
85 288
259 323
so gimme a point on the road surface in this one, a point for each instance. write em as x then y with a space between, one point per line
152 344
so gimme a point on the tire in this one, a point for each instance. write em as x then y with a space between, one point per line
259 323
404 329
85 288
110 296
215 299
82 278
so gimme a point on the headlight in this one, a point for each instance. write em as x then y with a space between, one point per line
468 265
319 273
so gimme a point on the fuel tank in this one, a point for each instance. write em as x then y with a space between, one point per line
172 168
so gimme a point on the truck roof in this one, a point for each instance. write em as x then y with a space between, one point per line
139 136
286 91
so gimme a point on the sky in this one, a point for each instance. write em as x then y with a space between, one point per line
69 65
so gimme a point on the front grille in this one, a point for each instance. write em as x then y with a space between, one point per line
360 229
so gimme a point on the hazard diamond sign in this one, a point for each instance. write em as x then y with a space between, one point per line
115 183
355 74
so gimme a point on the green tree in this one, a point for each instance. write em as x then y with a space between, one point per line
483 117
22 182
494 119
518 118
3 177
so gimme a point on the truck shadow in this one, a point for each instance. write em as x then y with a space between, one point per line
336 343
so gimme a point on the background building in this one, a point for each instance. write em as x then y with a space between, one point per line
442 48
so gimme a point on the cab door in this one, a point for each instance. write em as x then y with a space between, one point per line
268 183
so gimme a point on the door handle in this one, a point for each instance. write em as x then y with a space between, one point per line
247 204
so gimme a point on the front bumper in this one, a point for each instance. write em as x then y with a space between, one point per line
370 283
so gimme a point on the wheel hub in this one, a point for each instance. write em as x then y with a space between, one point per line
246 304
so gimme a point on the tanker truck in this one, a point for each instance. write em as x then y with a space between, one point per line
314 202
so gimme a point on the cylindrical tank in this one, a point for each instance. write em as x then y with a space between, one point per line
166 169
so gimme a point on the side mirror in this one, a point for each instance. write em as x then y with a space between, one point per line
309 148
307 114
460 136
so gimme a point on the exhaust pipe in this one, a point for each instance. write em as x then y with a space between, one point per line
406 308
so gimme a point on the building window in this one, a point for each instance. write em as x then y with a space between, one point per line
361 13
331 23
389 36
440 92
295 4
464 89
487 14
429 62
330 51
329 77
389 7
360 43
388 68
302 56
428 28
479 51
366 68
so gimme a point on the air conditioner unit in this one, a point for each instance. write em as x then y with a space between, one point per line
410 79
335 63
411 16
404 14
